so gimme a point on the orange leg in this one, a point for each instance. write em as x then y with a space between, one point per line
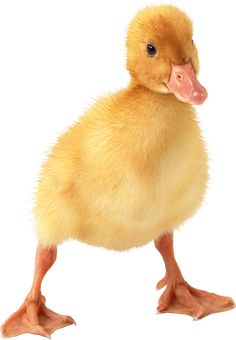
179 297
33 316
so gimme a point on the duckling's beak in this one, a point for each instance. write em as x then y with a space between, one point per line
184 84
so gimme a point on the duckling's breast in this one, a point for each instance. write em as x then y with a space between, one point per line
134 202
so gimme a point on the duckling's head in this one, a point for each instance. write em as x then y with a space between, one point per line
161 53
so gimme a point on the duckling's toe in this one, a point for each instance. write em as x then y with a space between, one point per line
162 283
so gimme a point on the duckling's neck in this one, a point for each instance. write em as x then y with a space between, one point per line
135 87
151 122
153 108
137 90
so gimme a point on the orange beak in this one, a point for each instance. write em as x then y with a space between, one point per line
185 86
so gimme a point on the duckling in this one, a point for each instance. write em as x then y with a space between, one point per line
130 171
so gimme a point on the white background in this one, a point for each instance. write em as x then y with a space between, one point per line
55 57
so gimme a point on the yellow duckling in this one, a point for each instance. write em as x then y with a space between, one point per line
130 171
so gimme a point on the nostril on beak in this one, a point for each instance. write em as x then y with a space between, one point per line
180 77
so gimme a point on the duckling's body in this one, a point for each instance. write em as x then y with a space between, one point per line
133 168
130 171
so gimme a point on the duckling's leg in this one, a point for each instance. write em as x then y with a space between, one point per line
179 297
33 316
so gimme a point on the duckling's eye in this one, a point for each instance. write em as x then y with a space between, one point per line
151 50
